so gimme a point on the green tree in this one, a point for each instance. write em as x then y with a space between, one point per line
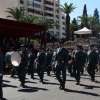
47 23
29 19
84 19
67 9
92 22
85 10
97 29
72 28
96 13
16 13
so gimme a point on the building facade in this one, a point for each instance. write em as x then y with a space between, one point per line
41 8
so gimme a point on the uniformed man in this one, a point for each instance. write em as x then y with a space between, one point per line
98 53
70 63
54 59
12 68
84 60
77 64
62 64
1 73
41 63
92 62
31 58
21 69
48 61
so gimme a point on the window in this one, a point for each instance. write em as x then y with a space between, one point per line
21 1
64 34
34 5
63 17
63 23
38 0
63 28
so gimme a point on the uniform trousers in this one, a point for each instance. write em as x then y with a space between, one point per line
1 92
40 71
91 71
48 69
21 72
70 69
58 73
31 70
76 72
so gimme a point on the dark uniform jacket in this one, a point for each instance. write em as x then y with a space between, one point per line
98 54
48 58
92 58
1 63
31 58
24 58
62 58
84 58
41 58
78 59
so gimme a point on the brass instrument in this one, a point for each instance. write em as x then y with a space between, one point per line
71 59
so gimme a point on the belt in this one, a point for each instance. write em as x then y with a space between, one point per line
61 61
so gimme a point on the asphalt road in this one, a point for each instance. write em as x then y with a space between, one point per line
34 90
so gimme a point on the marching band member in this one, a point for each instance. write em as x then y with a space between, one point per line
84 60
21 69
48 61
98 53
92 62
1 72
31 58
77 64
70 62
41 63
62 64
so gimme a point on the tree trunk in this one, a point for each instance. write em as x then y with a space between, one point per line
68 23
45 39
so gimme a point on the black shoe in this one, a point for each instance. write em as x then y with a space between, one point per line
77 83
1 97
22 85
92 80
62 88
12 76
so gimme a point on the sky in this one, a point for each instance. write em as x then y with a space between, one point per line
91 5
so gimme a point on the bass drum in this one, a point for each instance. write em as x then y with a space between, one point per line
8 59
15 59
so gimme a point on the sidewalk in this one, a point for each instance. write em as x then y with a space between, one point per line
34 90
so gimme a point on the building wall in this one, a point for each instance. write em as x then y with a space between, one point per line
4 4
41 8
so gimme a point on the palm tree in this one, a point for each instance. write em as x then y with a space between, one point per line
67 9
47 23
29 19
93 21
97 29
72 28
16 13
84 19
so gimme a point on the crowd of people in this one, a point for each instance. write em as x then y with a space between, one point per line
57 60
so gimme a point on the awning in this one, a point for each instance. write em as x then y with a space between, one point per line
14 29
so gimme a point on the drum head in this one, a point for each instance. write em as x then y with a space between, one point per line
15 59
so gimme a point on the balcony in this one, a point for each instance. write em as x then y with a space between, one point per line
38 15
48 11
46 5
49 17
